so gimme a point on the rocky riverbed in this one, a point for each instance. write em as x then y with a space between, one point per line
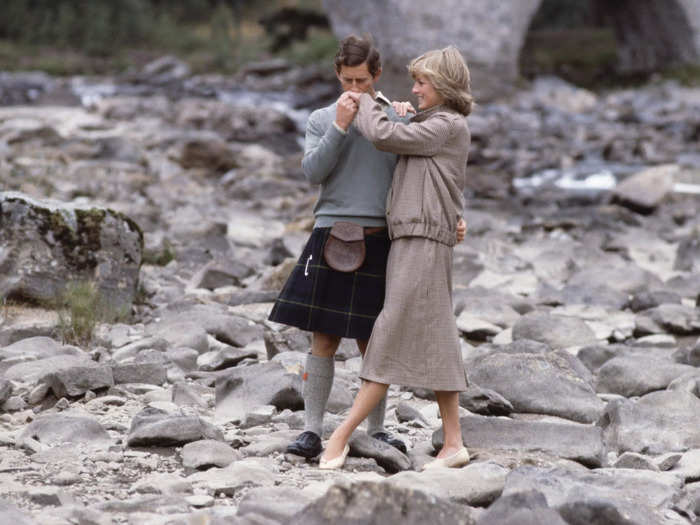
182 199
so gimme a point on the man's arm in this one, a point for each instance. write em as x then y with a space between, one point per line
322 146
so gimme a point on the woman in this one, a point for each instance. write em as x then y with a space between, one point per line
415 341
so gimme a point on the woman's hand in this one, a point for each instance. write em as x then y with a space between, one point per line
402 108
461 230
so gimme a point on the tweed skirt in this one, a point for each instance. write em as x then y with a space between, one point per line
320 299
415 341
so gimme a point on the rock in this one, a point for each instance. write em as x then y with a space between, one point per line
240 390
556 331
11 514
240 474
148 373
552 387
212 319
226 358
583 443
208 453
637 375
192 395
166 69
688 466
484 401
290 339
75 381
373 503
217 274
386 456
49 244
162 483
183 357
688 254
646 299
629 278
634 460
676 318
476 484
406 413
641 495
32 371
153 426
64 428
526 507
655 423
644 191
5 389
277 504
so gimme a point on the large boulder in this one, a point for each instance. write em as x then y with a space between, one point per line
47 244
651 34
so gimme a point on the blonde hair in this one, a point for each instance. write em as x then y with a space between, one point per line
448 73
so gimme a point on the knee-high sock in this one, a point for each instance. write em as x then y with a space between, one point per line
317 384
375 419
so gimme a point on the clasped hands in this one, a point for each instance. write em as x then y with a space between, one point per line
349 103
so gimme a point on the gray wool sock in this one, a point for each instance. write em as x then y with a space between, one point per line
375 419
317 384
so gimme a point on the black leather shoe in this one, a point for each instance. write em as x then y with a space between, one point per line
307 444
389 440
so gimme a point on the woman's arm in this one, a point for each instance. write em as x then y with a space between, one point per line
417 138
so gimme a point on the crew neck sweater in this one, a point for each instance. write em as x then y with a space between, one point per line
354 176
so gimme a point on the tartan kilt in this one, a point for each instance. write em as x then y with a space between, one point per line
319 299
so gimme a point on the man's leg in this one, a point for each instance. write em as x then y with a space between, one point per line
375 419
317 383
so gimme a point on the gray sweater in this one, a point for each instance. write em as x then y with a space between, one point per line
354 175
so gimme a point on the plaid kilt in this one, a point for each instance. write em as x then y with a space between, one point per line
320 299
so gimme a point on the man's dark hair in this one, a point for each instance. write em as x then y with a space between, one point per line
354 51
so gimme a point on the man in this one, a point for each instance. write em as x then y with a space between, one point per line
354 178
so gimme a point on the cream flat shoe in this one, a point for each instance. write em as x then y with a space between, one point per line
334 463
456 460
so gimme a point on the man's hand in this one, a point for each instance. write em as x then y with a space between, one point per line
402 108
345 111
461 230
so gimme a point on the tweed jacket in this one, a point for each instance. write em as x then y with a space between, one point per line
426 196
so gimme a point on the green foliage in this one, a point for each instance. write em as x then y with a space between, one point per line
80 308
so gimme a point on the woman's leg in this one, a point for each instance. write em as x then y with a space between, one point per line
448 402
367 398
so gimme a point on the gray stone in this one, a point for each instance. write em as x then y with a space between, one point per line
11 514
582 443
5 389
224 358
208 453
386 456
64 428
635 460
552 387
290 339
688 466
192 395
278 504
527 507
153 426
484 401
645 299
217 274
76 380
641 494
676 318
241 389
374 503
645 190
240 474
148 373
556 331
477 484
629 278
49 244
638 375
655 423
32 371
406 413
688 254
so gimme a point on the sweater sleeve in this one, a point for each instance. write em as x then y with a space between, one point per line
321 149
417 138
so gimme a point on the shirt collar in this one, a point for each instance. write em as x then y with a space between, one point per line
379 96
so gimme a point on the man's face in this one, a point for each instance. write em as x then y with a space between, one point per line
357 78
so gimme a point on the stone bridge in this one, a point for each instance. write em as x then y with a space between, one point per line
651 34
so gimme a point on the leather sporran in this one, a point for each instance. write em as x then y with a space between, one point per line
345 247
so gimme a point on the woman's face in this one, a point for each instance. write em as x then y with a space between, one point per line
425 92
